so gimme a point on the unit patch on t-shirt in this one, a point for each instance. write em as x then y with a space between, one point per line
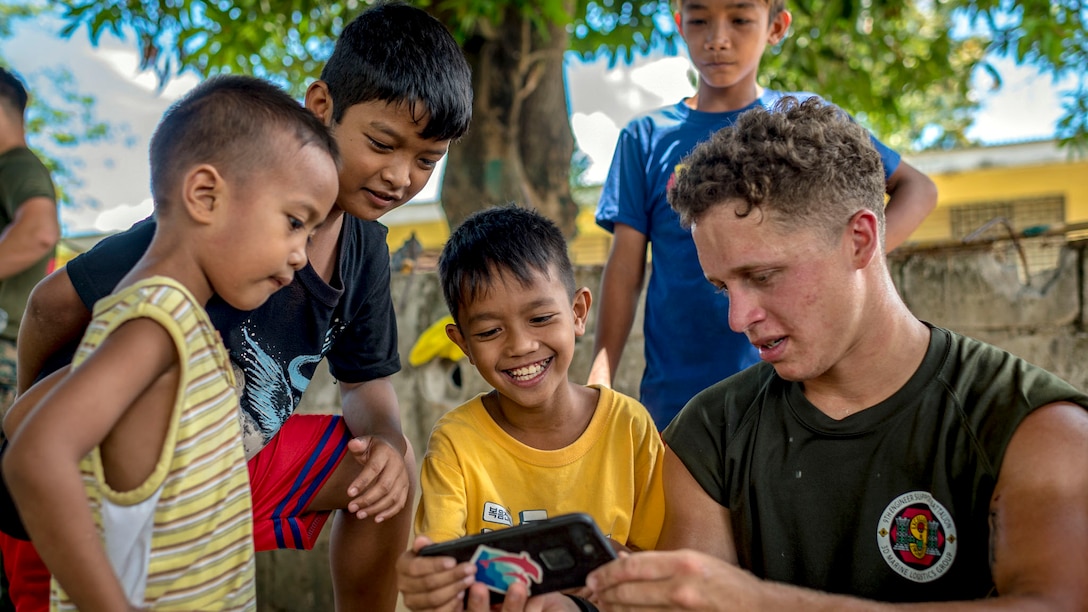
917 537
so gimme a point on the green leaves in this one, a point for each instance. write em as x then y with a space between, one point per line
904 69
284 40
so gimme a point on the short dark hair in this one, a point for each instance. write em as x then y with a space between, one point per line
496 240
233 123
12 91
398 53
774 7
800 163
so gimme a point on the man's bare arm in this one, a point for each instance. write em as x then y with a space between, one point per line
31 235
692 519
55 316
621 287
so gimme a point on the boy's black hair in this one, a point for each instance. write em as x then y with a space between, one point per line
398 53
774 7
235 123
799 164
496 240
12 91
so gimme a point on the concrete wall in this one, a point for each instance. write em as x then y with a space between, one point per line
973 290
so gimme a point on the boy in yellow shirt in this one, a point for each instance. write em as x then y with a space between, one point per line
538 444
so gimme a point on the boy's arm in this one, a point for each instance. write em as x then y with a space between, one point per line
55 317
26 401
912 196
41 466
372 414
621 287
60 306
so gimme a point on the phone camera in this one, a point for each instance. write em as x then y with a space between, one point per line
556 559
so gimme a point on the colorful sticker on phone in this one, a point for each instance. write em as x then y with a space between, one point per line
499 569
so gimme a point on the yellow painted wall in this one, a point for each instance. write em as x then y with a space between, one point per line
1069 179
589 247
431 234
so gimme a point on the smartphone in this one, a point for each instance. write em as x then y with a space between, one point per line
547 555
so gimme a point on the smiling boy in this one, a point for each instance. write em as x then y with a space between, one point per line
395 93
726 40
525 450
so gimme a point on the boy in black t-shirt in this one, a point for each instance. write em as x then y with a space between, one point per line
395 93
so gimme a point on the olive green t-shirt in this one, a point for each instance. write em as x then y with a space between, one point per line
22 177
890 503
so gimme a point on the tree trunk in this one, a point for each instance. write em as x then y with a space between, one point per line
519 146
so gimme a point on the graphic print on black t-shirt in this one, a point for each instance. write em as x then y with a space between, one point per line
349 321
270 392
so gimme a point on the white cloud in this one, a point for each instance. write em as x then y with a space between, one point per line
1026 106
124 63
667 78
596 134
122 217
603 100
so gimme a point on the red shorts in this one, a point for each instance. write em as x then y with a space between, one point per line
28 578
286 475
284 478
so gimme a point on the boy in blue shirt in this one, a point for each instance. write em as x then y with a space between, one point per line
688 343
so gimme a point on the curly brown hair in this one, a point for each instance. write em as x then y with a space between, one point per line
800 164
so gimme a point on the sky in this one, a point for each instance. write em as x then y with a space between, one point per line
115 175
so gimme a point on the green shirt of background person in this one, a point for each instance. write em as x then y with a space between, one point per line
29 228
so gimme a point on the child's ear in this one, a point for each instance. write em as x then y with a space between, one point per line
582 299
454 333
319 101
780 25
203 190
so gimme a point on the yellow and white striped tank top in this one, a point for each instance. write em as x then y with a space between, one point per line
182 540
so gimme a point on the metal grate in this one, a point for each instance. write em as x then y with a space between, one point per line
1002 219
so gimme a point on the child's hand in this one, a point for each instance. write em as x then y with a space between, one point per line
620 548
433 583
381 489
